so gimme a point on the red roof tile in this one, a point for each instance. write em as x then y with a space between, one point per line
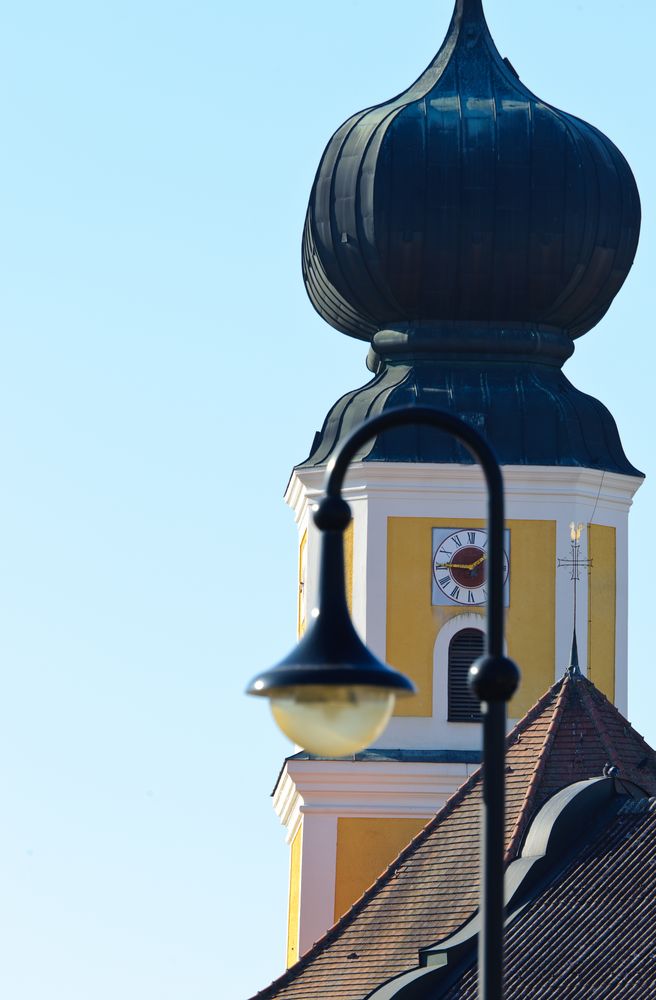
590 933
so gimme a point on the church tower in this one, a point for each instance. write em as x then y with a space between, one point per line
469 233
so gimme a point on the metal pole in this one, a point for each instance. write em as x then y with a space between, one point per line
490 946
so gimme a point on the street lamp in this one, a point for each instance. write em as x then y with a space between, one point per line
332 696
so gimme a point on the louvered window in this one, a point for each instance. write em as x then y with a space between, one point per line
465 647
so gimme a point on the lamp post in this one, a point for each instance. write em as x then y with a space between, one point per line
333 696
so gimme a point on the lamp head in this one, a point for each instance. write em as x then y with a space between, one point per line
331 695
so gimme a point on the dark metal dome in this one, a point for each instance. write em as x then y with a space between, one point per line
530 413
468 199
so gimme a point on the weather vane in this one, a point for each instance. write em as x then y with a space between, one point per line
575 563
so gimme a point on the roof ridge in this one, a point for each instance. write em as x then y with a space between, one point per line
531 789
531 715
590 689
440 816
597 719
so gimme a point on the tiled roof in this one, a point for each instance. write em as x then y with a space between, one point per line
590 934
431 889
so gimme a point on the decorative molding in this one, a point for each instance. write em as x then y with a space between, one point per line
382 788
411 482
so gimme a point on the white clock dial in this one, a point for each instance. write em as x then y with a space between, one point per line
460 566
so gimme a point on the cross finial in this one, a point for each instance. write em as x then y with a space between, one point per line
575 563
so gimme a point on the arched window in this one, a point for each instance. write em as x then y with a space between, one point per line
465 647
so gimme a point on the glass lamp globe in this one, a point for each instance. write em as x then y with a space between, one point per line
332 721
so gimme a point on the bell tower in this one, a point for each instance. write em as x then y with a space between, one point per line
470 234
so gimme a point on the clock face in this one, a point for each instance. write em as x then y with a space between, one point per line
460 566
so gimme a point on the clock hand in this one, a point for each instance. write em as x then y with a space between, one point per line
469 566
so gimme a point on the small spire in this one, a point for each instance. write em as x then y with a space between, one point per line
573 669
469 12
575 564
470 8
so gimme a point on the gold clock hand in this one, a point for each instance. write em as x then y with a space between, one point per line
468 566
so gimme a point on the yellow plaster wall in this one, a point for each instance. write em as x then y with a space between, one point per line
413 623
348 564
601 607
365 847
531 617
293 910
302 584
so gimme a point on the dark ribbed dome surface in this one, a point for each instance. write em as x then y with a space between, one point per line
530 413
467 198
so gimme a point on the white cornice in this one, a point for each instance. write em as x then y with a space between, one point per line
441 483
364 788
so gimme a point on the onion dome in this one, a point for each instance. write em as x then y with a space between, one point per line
470 232
467 198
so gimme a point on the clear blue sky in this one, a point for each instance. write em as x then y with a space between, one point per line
162 370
